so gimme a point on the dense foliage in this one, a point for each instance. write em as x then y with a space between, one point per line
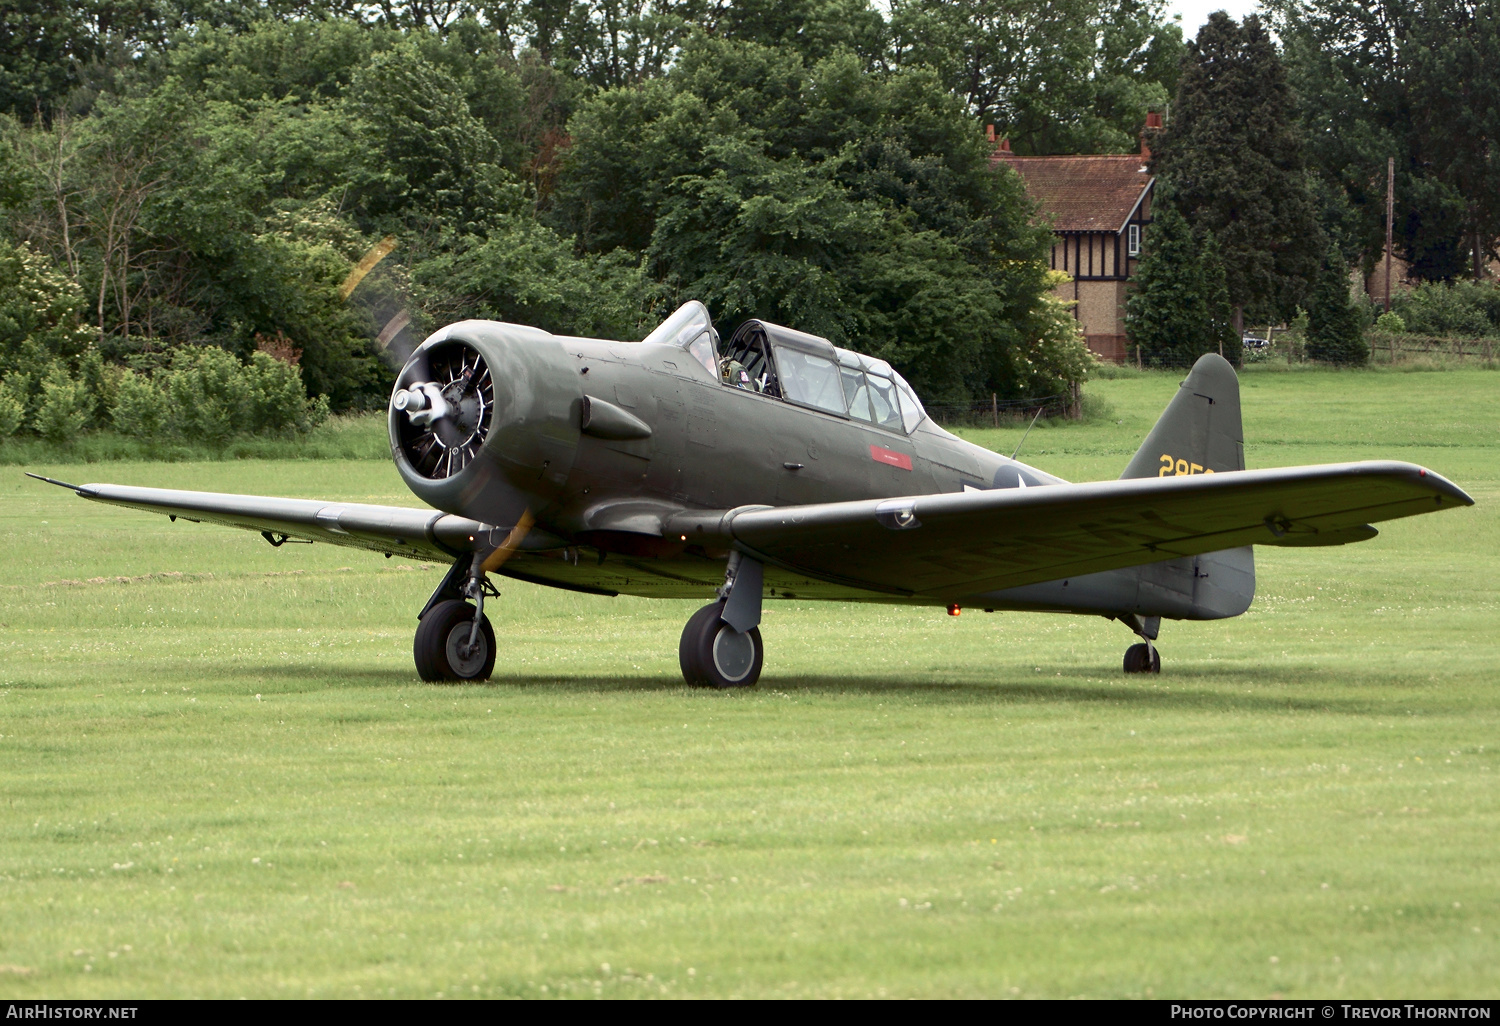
1061 76
861 207
1463 308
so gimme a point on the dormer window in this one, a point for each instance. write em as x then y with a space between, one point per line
1133 240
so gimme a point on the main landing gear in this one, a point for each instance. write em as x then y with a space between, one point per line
1143 658
721 646
455 641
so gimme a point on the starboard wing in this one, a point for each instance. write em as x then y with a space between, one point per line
958 544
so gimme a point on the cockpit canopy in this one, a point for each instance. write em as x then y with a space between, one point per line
796 367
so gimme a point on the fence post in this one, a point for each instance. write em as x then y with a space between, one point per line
1075 409
994 409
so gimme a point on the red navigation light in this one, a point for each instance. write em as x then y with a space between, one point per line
953 609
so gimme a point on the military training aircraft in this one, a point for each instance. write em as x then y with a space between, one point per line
787 468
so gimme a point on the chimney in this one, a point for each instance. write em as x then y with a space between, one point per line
1004 145
1153 124
989 133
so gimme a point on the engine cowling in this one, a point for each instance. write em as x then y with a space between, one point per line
484 420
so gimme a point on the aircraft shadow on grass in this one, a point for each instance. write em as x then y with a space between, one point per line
1189 689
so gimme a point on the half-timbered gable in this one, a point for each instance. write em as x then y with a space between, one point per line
1099 207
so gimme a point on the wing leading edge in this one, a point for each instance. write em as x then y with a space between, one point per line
958 544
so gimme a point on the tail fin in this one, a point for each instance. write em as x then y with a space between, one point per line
1200 431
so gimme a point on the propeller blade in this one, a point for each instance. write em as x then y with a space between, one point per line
392 327
495 560
377 253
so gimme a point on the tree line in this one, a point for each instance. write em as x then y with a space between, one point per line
190 175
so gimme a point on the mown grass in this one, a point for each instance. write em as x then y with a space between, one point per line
229 782
355 436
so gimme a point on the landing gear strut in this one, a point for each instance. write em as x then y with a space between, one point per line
721 646
1143 658
454 639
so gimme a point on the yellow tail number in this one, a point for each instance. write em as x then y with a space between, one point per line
1171 466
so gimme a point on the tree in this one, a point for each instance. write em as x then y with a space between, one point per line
1178 309
524 272
1064 76
1234 160
1334 331
1454 84
437 161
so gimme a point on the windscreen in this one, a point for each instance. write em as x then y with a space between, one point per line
705 351
687 322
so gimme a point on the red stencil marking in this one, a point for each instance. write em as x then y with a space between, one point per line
890 458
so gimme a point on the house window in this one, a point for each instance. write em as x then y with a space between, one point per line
1133 240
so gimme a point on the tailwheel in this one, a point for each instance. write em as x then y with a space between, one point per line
715 655
448 648
1142 658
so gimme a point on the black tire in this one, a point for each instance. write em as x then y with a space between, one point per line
440 638
1137 660
714 655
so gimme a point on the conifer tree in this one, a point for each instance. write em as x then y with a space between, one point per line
1334 333
1167 315
1234 154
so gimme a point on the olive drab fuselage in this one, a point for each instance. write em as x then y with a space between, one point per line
711 445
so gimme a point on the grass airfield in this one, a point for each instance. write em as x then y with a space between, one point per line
221 778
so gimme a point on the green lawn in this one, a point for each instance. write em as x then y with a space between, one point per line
221 776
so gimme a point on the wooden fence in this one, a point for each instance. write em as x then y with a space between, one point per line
1394 346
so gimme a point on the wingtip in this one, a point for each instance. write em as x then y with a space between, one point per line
1444 487
53 481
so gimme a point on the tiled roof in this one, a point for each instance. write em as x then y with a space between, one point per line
1083 193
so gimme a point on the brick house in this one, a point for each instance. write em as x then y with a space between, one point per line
1099 207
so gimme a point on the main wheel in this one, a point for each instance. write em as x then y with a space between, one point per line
441 648
1137 659
715 655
